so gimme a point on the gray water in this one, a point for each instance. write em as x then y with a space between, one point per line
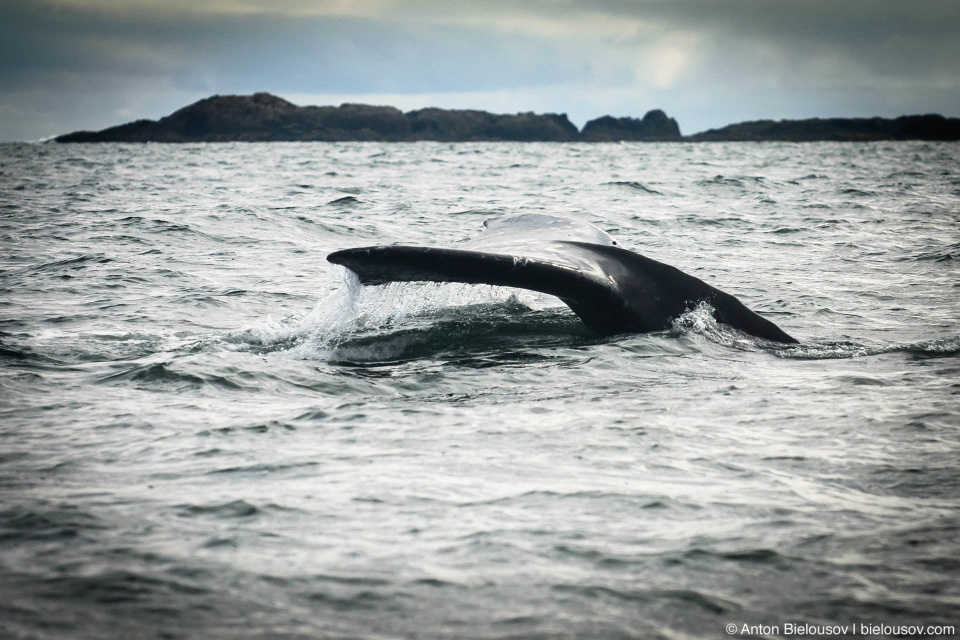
207 431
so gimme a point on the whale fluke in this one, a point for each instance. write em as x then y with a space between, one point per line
612 290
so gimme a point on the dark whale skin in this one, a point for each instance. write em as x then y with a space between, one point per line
612 290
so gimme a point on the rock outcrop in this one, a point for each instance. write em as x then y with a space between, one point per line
455 125
656 125
920 127
258 118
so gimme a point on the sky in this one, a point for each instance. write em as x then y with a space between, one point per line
67 65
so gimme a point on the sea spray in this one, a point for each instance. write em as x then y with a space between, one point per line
700 323
355 311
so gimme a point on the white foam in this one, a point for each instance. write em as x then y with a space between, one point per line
351 310
700 322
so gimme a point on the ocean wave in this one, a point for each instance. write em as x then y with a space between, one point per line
832 350
635 186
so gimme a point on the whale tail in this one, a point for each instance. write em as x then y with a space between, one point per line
612 290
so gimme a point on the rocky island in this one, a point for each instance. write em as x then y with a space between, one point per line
263 117
656 125
924 127
266 118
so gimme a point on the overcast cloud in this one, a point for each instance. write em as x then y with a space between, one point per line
88 64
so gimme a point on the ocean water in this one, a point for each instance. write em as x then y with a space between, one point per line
208 431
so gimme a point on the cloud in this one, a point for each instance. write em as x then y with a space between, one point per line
76 63
333 52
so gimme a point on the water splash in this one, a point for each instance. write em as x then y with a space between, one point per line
351 314
699 323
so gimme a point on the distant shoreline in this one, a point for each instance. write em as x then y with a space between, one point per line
263 117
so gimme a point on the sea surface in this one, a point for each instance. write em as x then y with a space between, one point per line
208 431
